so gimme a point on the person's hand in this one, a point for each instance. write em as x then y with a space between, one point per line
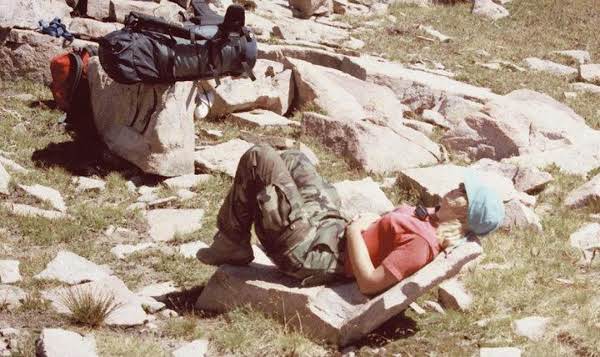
362 221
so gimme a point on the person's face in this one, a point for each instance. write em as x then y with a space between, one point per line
445 211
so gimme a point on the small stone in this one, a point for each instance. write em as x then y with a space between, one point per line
570 95
354 44
186 181
184 194
519 215
487 8
453 295
61 343
312 157
434 33
87 184
499 352
11 296
12 166
433 117
121 251
590 73
585 88
531 180
197 348
164 224
585 195
417 309
212 133
168 313
587 240
533 327
46 194
162 202
136 206
581 57
9 271
222 157
151 326
157 290
189 250
558 69
261 118
4 181
72 269
30 211
432 305
131 187
150 305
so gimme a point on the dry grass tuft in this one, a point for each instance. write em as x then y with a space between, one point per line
88 308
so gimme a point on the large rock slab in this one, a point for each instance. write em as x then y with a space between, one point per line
221 157
4 181
527 179
532 327
261 118
538 64
342 96
585 88
587 240
164 224
26 13
272 90
362 196
149 125
11 296
129 311
55 342
517 215
98 9
92 28
46 194
30 211
587 194
72 269
360 142
520 123
489 9
22 52
308 8
452 294
339 314
9 271
186 181
12 166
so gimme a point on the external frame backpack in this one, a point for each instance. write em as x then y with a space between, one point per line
151 50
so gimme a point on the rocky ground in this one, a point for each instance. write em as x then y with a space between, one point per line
391 101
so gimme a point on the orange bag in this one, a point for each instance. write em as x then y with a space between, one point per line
69 74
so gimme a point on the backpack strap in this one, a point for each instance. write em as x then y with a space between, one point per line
77 72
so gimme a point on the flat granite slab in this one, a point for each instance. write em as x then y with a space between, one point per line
339 314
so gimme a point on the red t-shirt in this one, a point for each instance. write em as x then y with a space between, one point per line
400 242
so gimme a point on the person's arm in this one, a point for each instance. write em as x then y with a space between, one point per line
369 279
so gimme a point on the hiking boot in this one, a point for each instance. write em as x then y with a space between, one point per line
224 251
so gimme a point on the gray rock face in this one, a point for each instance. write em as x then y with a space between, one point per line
308 8
222 157
514 125
4 181
186 181
27 13
189 250
585 87
46 194
362 196
121 251
11 296
554 68
521 216
273 90
9 271
12 166
129 310
531 179
55 342
85 184
92 28
532 327
587 240
158 290
339 314
22 51
164 9
161 138
164 224
361 143
197 348
585 195
98 9
453 295
72 269
489 9
590 73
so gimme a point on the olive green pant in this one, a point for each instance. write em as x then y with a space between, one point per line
295 213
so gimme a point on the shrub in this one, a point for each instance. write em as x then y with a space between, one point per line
88 308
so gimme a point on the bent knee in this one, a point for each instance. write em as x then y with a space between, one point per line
258 153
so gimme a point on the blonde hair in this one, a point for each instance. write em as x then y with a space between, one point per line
450 232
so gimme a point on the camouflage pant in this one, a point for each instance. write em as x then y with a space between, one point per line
294 210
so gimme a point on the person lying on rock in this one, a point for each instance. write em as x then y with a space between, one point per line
296 217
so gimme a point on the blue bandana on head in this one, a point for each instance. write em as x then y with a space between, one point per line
486 210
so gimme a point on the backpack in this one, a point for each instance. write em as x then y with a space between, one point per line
71 91
151 50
